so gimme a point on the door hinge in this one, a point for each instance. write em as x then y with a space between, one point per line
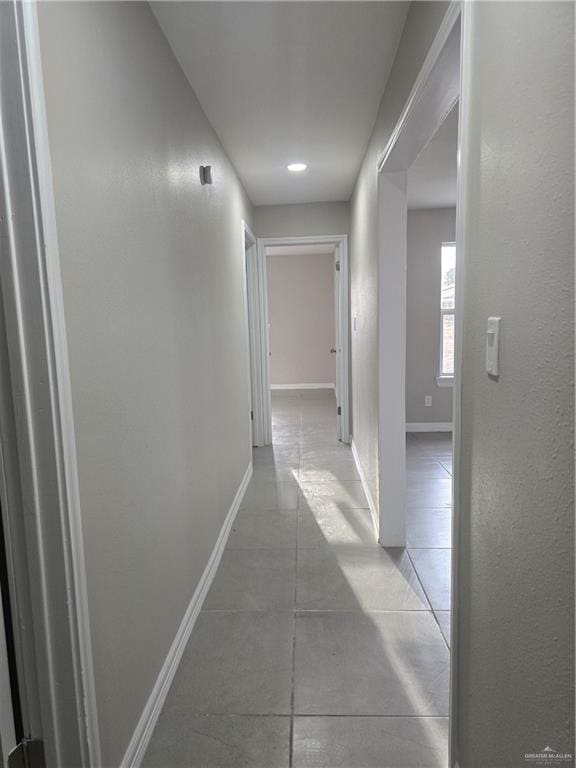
28 754
252 415
337 266
339 410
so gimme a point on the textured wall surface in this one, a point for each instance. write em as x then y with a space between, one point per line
421 26
301 314
302 220
516 554
427 230
153 280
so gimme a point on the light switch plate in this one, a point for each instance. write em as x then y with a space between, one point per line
493 346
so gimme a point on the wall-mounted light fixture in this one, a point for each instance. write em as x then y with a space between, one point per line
205 174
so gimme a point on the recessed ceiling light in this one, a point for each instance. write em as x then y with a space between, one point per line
297 167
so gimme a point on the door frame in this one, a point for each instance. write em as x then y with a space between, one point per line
250 256
7 713
440 85
435 93
43 445
260 342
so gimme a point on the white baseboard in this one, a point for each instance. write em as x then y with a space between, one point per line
429 426
366 487
302 386
141 736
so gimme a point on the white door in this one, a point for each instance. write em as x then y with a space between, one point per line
338 342
251 319
250 355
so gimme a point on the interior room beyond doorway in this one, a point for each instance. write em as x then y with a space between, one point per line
301 316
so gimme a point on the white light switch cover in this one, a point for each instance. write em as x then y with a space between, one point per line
493 346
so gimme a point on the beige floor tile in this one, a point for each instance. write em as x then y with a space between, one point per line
353 578
433 569
253 580
264 529
236 663
370 742
219 741
347 494
393 663
325 522
266 495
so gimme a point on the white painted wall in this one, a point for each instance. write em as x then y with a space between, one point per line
302 220
301 315
421 26
153 283
515 663
427 230
392 226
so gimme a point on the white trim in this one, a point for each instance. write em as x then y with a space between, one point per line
302 386
402 132
343 356
464 124
63 389
145 727
7 731
366 488
444 381
249 258
429 426
258 331
434 94
39 371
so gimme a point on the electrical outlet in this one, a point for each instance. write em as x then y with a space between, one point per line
428 401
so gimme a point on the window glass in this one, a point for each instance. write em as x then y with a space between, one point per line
447 308
448 344
448 275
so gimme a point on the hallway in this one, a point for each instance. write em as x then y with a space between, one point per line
315 647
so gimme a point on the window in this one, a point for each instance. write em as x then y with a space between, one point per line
447 309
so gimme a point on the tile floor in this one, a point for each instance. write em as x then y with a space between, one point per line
316 647
429 517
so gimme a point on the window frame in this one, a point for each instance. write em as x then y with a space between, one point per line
444 379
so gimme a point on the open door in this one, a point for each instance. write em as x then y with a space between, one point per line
338 342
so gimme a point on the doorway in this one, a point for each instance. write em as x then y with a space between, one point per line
435 95
430 311
335 247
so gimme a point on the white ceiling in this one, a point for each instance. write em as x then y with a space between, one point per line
288 81
320 249
432 178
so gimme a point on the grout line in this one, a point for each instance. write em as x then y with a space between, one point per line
429 600
315 714
348 611
293 673
293 661
418 577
